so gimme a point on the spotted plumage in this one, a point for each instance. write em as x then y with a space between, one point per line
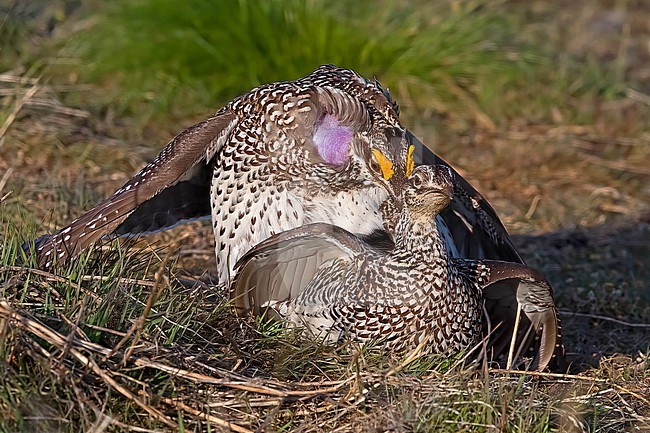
339 287
321 148
324 148
280 156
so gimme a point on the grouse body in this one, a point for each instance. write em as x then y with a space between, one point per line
338 287
319 149
277 157
326 148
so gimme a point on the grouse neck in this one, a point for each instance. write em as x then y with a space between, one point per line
420 237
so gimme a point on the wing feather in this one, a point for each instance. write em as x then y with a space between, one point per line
190 148
507 287
280 268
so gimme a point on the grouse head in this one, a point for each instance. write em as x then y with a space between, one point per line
427 191
355 121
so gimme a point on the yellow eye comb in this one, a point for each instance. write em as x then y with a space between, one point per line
410 163
385 164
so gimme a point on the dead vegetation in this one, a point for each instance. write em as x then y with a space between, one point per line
247 376
134 339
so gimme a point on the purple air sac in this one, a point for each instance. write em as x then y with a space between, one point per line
333 140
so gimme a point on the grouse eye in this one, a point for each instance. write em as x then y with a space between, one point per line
374 164
417 180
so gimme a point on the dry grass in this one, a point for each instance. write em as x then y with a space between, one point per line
134 339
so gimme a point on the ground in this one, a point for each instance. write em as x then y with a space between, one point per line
134 339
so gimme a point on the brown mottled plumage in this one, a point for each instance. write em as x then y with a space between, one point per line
282 155
250 149
337 286
324 148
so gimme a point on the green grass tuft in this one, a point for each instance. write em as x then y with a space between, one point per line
158 58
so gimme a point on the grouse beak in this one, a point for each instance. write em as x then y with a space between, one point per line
439 198
438 189
446 191
390 189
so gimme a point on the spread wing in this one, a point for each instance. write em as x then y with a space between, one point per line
278 269
508 287
184 201
181 160
474 226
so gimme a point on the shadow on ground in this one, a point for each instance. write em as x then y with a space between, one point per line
601 276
